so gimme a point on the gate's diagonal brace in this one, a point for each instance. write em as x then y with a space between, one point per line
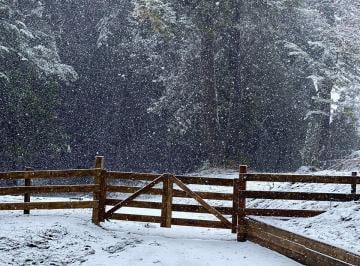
209 208
133 196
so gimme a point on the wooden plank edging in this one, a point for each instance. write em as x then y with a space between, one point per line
315 252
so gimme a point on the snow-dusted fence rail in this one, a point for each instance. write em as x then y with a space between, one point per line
243 194
302 249
28 189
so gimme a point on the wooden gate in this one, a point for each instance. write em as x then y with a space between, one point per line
166 205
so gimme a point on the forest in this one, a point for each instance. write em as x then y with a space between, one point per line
176 85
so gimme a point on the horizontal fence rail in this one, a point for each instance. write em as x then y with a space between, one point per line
176 192
196 180
300 196
49 205
295 178
48 189
47 174
302 249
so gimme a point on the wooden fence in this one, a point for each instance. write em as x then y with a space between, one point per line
234 200
243 194
29 176
233 212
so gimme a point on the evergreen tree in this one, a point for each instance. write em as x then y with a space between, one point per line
30 71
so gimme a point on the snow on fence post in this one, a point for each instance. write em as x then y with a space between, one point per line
27 195
353 185
98 214
235 206
242 224
166 211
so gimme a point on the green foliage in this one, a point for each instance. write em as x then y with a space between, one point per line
30 71
156 76
344 135
29 123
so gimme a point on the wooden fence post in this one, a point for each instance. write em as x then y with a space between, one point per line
98 214
27 195
235 206
166 211
242 226
353 185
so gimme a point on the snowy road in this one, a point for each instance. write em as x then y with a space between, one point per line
69 238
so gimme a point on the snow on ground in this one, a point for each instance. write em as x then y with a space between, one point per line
68 237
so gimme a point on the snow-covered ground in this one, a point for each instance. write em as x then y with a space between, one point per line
69 238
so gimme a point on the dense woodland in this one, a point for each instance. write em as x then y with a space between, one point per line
173 85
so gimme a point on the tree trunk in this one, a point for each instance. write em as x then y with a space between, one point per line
318 132
209 95
232 129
